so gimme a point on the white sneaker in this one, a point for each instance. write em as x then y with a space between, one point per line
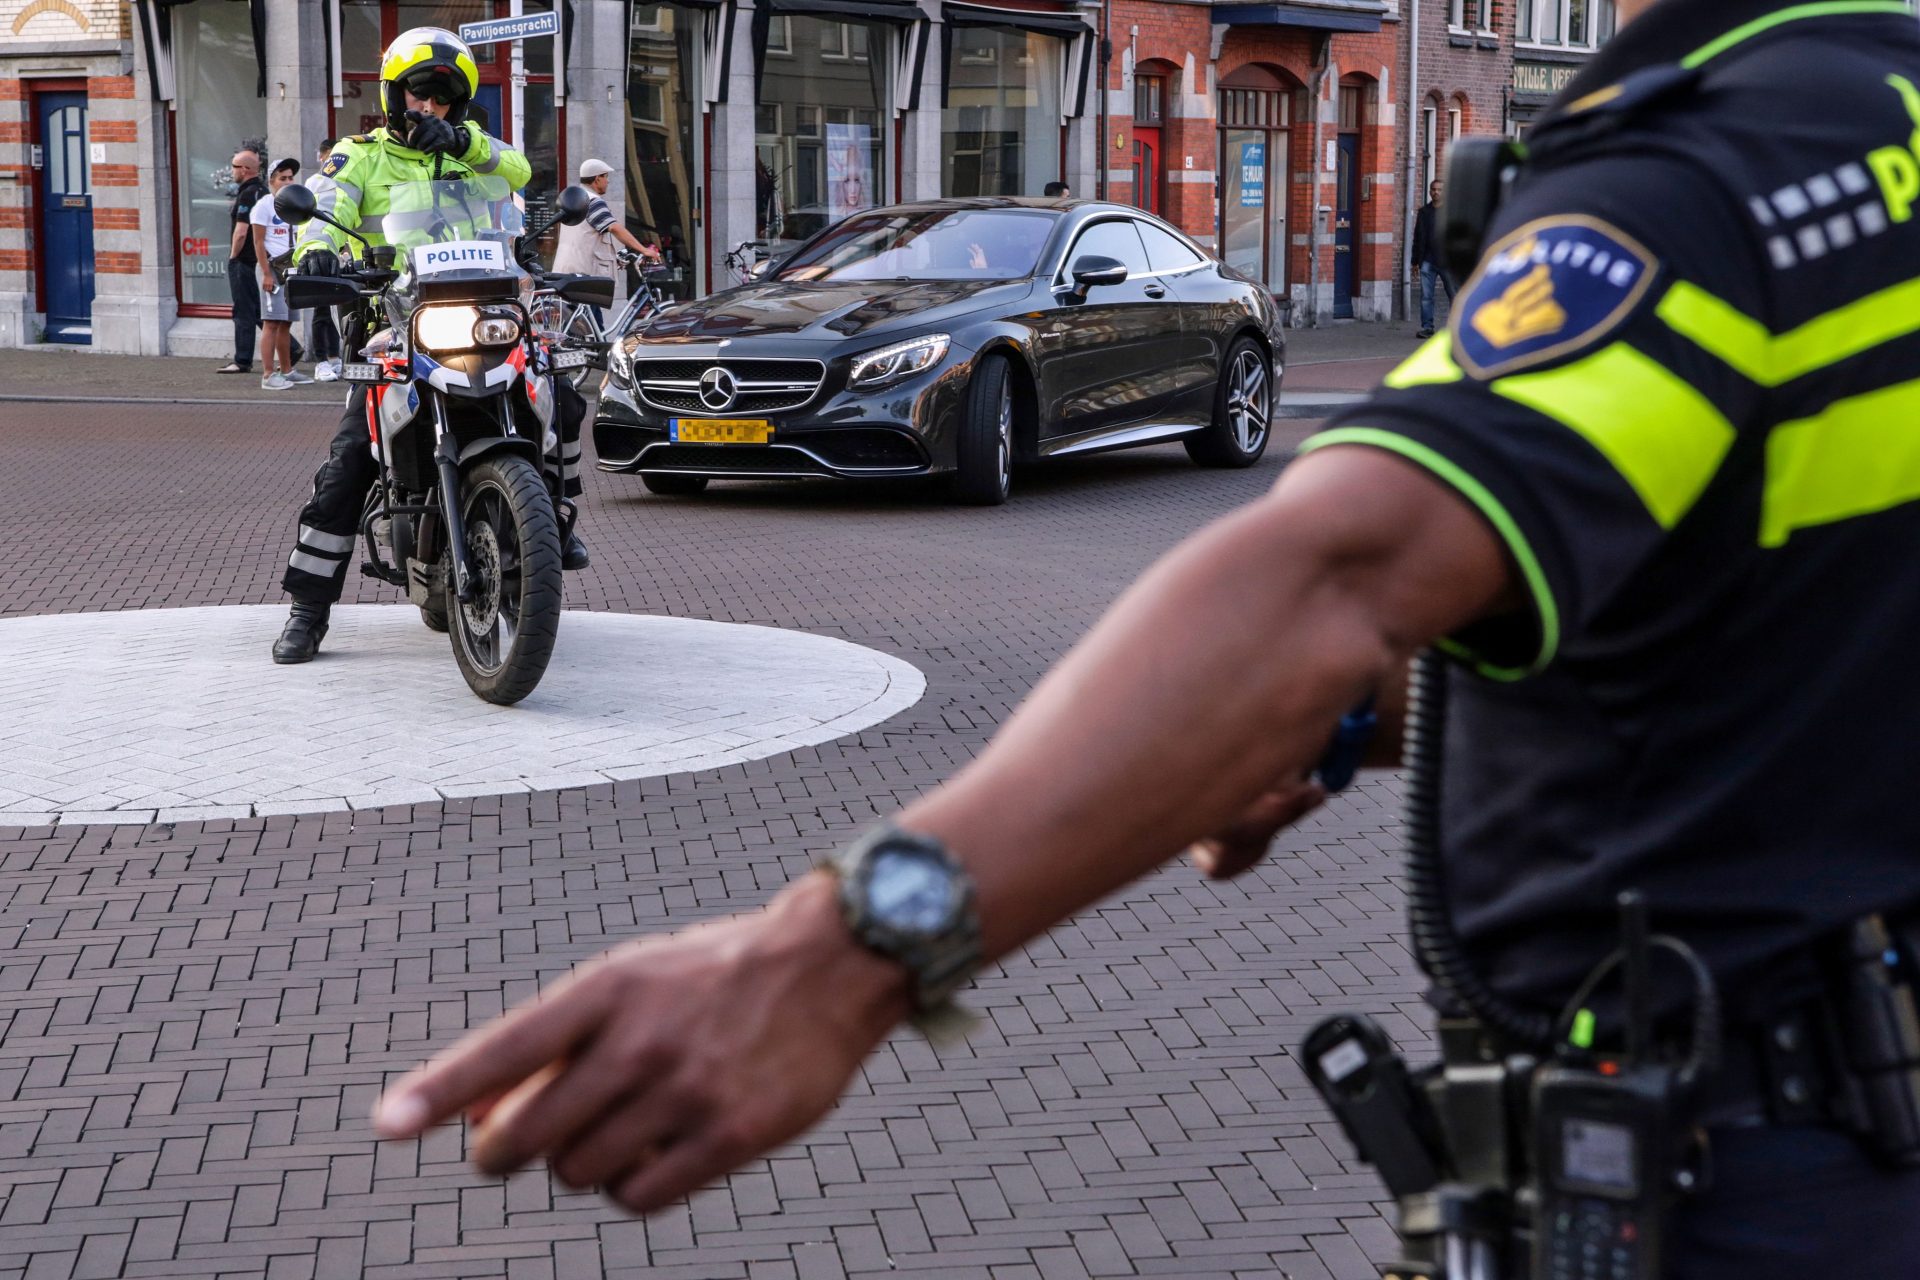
275 382
327 371
297 378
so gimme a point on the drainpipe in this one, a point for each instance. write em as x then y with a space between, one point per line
1316 84
1106 73
1411 197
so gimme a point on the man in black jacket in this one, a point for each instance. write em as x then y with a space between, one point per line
1426 257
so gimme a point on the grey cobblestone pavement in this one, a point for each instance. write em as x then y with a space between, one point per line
197 1017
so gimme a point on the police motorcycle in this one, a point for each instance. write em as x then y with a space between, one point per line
460 411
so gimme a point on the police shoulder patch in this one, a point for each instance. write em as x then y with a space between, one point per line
1551 289
335 163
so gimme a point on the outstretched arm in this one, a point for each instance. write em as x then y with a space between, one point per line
1222 672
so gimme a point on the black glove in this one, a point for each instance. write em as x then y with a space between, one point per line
320 262
433 136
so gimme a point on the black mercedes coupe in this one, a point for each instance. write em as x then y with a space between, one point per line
951 337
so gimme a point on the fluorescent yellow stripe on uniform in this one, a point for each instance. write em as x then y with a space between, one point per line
1774 360
1662 436
1861 456
1432 364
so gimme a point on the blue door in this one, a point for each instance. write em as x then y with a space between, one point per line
488 100
66 217
1346 209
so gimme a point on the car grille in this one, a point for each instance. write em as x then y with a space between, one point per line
765 386
735 458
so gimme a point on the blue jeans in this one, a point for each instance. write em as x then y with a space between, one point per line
1428 275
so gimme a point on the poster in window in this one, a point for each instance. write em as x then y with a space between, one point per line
1253 175
849 169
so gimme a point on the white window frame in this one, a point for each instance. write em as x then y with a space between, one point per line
1429 148
1547 22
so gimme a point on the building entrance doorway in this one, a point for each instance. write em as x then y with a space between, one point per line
64 195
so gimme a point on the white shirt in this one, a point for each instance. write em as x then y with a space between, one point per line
279 234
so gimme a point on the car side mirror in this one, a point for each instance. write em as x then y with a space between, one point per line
1093 271
573 203
295 204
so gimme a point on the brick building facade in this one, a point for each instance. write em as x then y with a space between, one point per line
1282 136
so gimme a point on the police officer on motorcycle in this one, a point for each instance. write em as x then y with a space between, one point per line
427 81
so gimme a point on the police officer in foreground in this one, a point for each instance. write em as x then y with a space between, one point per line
1657 494
427 81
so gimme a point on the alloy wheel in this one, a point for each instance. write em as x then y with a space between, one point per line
1249 401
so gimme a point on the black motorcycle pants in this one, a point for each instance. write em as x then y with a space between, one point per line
330 522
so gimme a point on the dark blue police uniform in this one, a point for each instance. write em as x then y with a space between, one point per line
1683 388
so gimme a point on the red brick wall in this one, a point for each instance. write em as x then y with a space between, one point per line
12 89
117 264
14 131
13 217
113 131
14 260
1290 50
116 219
110 86
1168 32
116 175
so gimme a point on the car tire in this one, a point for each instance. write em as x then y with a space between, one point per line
672 485
1242 410
984 457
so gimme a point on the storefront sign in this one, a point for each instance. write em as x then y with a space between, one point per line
1543 79
1253 175
497 29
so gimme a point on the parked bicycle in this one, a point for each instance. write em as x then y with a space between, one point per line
578 326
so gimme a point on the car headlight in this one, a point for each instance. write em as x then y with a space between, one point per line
620 361
898 361
445 328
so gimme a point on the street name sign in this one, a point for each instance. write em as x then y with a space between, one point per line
494 30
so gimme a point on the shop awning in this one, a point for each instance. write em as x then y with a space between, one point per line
156 38
1075 68
900 11
1051 22
908 43
1318 15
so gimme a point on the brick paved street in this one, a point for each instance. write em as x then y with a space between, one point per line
198 1017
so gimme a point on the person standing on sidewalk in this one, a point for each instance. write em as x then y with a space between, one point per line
273 243
242 261
323 333
1426 256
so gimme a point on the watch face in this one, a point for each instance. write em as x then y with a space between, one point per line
909 893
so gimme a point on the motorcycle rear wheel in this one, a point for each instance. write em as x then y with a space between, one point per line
503 637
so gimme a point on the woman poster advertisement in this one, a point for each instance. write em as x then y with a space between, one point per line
849 170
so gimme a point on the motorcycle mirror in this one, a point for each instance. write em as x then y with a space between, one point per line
573 205
295 204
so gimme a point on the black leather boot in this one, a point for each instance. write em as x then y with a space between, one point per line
573 553
301 638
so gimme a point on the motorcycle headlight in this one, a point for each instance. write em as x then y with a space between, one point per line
445 328
495 331
877 368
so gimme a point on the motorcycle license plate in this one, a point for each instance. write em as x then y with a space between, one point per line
722 430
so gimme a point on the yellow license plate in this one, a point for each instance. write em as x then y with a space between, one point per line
722 430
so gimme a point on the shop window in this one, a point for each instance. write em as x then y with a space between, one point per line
215 72
1001 125
1465 15
662 168
360 42
830 161
844 41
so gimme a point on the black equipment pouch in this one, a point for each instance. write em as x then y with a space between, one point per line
1877 1018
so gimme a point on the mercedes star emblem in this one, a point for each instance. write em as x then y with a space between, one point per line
718 389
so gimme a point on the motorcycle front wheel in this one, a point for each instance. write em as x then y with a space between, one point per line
503 636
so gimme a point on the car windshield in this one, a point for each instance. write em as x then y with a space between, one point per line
470 209
954 244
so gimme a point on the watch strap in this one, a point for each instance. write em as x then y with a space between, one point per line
939 964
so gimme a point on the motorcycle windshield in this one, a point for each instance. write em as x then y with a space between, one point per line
454 229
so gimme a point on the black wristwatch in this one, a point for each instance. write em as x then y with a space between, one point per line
905 897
